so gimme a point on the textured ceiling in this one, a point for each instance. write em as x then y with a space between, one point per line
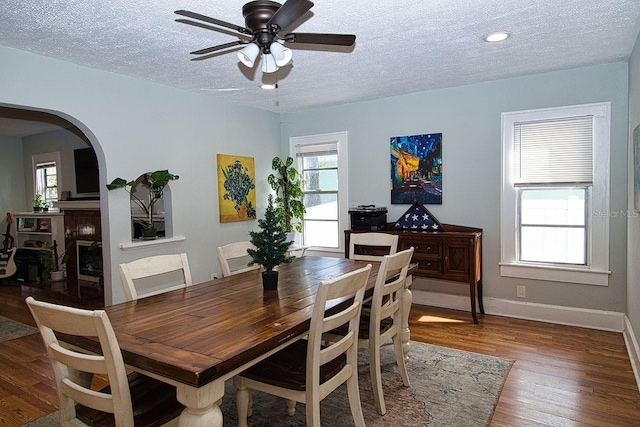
402 46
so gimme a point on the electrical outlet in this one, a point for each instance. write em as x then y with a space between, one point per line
521 291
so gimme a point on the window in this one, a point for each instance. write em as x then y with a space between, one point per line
45 175
322 160
555 194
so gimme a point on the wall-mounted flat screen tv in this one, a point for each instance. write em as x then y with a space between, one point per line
86 166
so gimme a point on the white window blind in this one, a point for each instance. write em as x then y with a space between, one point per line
554 151
311 150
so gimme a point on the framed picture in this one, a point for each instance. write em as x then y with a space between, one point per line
416 169
636 168
236 188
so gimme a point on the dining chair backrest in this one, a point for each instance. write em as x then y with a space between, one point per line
235 253
308 378
392 276
366 242
323 320
73 370
154 275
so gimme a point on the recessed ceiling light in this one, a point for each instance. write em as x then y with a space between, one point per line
498 36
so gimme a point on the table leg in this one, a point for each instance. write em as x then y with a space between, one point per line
406 299
202 404
472 291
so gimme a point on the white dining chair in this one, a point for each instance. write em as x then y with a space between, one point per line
154 275
368 241
129 400
235 253
306 371
382 322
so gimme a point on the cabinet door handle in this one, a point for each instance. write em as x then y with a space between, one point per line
428 248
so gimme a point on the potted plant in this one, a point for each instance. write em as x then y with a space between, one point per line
271 246
52 262
154 182
287 183
38 203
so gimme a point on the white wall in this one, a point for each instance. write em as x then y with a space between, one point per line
469 118
135 127
633 267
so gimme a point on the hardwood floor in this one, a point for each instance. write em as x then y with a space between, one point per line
562 375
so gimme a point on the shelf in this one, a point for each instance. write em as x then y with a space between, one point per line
41 233
139 244
40 229
77 204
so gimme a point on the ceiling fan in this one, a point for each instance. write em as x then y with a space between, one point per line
264 20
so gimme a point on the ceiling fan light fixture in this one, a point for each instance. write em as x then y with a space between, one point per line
248 54
269 63
281 54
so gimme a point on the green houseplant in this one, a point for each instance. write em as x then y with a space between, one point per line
271 246
154 182
38 203
52 262
287 183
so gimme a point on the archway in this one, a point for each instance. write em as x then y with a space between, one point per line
84 214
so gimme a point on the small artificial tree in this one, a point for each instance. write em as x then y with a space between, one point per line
154 182
271 243
287 183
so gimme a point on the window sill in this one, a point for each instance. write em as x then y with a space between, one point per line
556 274
141 244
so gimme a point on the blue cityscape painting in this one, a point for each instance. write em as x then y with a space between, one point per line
416 169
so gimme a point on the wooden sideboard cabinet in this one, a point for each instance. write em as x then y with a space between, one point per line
453 255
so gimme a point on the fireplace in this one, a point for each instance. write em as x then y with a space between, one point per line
89 260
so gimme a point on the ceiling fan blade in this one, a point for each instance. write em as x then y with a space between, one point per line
194 15
288 13
318 38
219 47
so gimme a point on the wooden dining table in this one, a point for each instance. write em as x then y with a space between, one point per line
198 337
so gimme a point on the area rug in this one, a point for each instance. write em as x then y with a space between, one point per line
10 329
449 388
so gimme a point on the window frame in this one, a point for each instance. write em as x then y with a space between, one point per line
596 271
586 189
38 159
340 138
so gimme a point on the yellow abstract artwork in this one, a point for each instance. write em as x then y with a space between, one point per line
236 188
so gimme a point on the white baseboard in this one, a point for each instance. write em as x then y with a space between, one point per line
582 317
632 349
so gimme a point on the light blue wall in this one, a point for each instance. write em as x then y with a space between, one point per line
11 173
633 287
469 119
135 127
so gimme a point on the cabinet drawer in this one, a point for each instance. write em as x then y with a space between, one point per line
422 247
430 265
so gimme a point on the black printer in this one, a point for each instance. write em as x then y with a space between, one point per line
368 217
